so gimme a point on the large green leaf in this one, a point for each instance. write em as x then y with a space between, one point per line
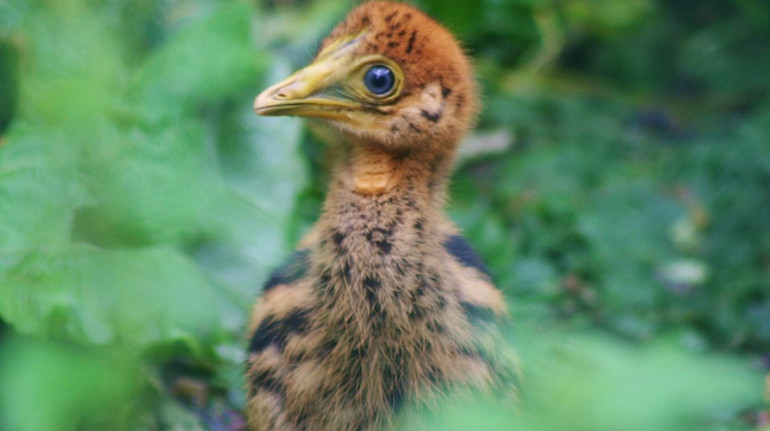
181 73
138 297
50 386
587 383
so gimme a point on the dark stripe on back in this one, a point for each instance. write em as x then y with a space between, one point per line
275 332
458 247
477 313
292 270
268 381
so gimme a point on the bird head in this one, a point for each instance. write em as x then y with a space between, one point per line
388 76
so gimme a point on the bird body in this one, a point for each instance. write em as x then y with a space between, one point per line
384 305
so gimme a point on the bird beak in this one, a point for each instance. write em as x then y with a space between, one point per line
311 92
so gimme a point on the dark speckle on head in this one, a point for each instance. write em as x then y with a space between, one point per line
460 101
410 44
433 117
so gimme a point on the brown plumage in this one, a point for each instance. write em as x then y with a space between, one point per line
384 306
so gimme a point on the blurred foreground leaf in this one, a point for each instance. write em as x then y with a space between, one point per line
586 384
49 386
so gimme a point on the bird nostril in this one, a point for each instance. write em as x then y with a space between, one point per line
281 95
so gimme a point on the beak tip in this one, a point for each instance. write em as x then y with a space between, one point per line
260 102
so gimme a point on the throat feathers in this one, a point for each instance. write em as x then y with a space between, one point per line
374 172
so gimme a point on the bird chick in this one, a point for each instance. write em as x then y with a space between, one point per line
384 305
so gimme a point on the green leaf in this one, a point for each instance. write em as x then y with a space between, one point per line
49 386
39 191
586 383
181 74
136 297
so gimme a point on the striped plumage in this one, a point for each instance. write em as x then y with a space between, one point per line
383 306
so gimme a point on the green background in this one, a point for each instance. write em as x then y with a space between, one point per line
617 184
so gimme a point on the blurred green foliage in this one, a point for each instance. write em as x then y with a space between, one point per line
618 183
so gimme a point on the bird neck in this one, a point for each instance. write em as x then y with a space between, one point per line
381 226
370 172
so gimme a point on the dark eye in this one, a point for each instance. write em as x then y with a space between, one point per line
379 80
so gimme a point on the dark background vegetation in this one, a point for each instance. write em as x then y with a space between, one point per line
618 185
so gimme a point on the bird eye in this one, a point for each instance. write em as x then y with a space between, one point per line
379 80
